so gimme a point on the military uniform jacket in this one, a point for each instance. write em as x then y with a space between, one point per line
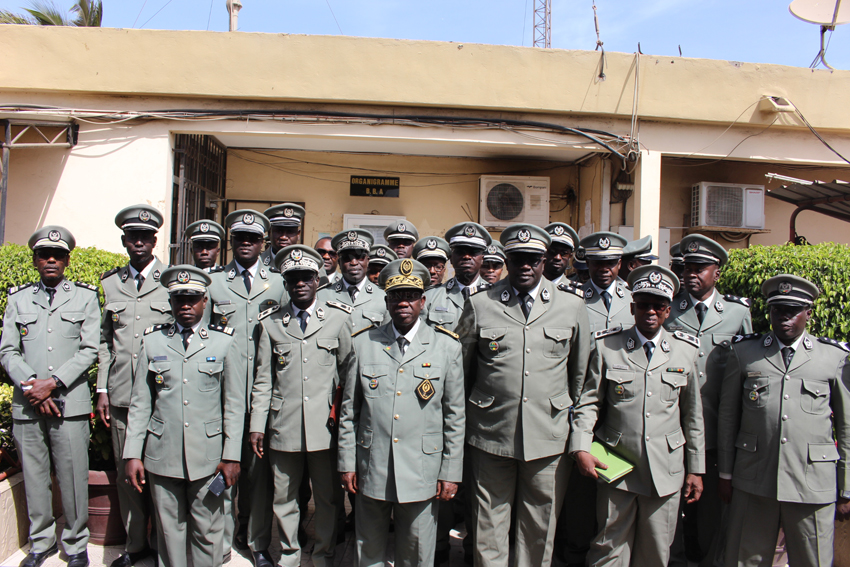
729 316
620 313
188 406
775 433
234 307
298 374
443 305
42 340
382 416
370 307
652 413
523 376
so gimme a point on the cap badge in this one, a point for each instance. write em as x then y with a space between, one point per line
54 236
784 287
523 235
296 255
205 227
248 218
693 246
352 236
144 216
580 254
287 212
655 277
469 230
558 230
401 227
506 296
665 346
630 344
604 243
768 340
544 295
492 249
380 252
431 244
406 267
183 277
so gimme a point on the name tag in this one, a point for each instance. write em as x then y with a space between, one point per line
159 358
441 309
620 367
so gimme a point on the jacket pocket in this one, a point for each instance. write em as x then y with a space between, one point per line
210 374
374 380
160 372
814 397
72 322
162 307
373 317
215 439
557 344
609 436
671 386
746 458
26 325
281 358
223 313
432 457
479 404
821 467
676 444
327 350
621 388
491 343
756 392
444 318
154 447
116 310
364 452
560 404
481 399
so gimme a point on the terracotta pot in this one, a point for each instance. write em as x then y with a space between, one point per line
105 522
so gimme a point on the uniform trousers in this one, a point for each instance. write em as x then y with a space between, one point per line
135 507
635 529
189 514
415 531
288 471
754 523
534 490
256 496
63 446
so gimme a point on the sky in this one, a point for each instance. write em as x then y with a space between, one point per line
753 31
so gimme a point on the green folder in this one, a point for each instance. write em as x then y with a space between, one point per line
618 467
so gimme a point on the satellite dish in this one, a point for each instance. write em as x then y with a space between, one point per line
827 14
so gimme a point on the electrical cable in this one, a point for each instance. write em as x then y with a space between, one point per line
815 132
209 17
155 13
140 13
334 16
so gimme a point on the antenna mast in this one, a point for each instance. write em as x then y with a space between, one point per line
543 23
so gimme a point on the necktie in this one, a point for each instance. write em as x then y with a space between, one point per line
700 309
187 336
402 344
352 291
606 299
787 355
302 317
51 292
525 302
648 348
246 277
140 279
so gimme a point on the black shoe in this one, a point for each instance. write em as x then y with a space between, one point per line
349 522
441 556
262 559
79 560
36 559
226 557
131 557
240 540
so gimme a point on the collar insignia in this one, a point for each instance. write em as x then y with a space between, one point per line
262 273
451 284
620 291
368 288
66 286
630 344
768 340
156 274
683 305
544 295
124 275
807 343
286 318
172 330
231 274
719 307
338 286
320 313
35 289
588 293
665 346
203 334
267 260
506 296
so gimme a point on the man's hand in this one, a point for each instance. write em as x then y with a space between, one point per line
135 471
724 489
349 482
40 391
103 407
230 470
257 443
842 510
693 488
587 464
48 408
446 490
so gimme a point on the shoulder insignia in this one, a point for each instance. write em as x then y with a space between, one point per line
686 337
153 329
833 342
455 336
355 333
745 301
225 330
87 286
273 270
739 338
215 269
607 332
109 273
17 288
347 308
483 286
268 312
571 289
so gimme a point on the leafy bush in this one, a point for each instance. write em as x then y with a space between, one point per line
6 440
87 265
824 264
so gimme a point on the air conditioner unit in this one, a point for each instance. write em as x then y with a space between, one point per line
727 205
505 200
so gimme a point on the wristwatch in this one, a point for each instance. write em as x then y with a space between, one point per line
59 383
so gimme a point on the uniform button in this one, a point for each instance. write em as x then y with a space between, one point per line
137 335
395 440
250 357
649 373
138 299
251 338
701 333
787 377
784 440
395 416
400 370
305 378
306 398
50 368
784 418
647 437
398 393
649 394
50 348
185 360
702 354
186 424
647 414
785 396
305 360
49 330
527 373
138 317
527 328
745 444
525 399
185 402
135 356
185 381
303 342
249 303
701 374
249 320
528 350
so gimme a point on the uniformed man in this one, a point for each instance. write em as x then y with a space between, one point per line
379 257
304 354
526 349
784 434
558 255
353 288
677 262
242 290
714 318
185 422
401 236
205 237
285 221
443 305
643 403
134 301
636 253
329 258
49 342
581 276
402 426
433 253
493 263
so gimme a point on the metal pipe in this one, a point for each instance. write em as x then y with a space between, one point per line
4 178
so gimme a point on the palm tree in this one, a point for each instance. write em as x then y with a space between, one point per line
89 13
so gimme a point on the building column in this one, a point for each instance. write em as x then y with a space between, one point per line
647 198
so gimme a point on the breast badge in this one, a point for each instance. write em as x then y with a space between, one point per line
425 390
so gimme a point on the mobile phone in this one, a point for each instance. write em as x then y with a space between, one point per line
217 484
60 405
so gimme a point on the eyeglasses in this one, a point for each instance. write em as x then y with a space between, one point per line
48 253
350 255
252 237
524 259
407 295
296 276
649 306
323 252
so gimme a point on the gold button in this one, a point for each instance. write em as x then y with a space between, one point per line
400 370
395 416
395 440
398 393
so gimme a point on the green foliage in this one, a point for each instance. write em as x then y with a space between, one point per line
824 264
88 13
6 441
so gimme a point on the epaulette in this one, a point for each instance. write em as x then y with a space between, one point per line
347 308
17 288
749 337
355 333
215 269
686 337
833 342
745 301
223 329
607 332
273 270
153 329
453 335
571 289
268 312
86 285
110 272
483 286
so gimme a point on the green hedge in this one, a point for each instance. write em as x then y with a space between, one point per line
827 265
